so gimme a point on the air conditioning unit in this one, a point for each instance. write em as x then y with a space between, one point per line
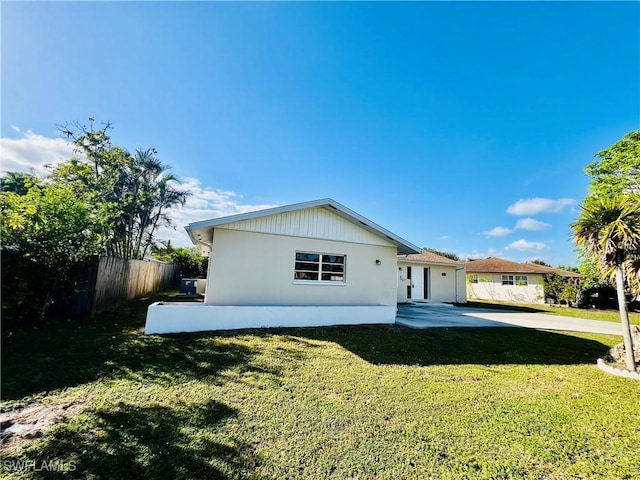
188 286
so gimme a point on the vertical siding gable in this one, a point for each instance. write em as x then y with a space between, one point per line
311 223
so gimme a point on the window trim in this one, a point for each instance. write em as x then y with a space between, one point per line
509 280
520 278
342 282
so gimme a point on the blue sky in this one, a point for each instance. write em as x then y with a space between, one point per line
460 126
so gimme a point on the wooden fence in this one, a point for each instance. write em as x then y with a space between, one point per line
105 282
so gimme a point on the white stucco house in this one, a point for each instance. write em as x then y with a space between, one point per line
503 280
308 264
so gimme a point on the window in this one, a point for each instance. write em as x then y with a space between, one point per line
319 267
507 279
473 278
521 280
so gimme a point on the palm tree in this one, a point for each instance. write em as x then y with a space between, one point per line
609 231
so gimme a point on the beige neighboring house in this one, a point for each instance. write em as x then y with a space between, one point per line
428 277
498 279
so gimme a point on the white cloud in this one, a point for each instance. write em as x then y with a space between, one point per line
203 204
525 245
444 237
32 151
531 224
498 232
533 206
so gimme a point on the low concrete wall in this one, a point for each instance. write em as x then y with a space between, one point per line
195 317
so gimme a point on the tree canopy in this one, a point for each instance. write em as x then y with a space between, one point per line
104 201
617 171
132 193
443 253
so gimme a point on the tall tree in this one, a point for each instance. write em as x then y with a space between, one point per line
132 193
609 230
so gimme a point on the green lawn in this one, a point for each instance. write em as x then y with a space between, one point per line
362 402
591 314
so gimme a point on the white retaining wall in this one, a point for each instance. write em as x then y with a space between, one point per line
194 317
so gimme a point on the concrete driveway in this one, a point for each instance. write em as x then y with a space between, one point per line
429 315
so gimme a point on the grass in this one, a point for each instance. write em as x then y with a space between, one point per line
357 402
591 314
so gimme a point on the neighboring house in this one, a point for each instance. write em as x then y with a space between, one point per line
427 276
498 279
308 264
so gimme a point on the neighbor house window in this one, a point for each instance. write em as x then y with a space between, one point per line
507 279
319 267
474 278
521 280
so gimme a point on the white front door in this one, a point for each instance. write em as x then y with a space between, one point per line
417 283
420 283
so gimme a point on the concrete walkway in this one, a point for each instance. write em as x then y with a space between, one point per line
429 315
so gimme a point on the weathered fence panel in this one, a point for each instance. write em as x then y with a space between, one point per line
111 281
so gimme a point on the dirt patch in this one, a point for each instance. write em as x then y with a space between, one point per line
23 425
617 353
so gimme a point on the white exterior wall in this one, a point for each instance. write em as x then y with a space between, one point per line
251 268
442 288
489 287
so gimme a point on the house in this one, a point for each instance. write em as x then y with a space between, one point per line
499 279
426 276
308 264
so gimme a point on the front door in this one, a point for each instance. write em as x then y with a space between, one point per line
417 283
420 283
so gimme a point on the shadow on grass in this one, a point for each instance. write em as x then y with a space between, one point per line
396 345
41 358
131 442
60 354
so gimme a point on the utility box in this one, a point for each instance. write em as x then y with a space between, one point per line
188 286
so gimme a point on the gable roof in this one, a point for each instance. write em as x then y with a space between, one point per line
201 232
500 265
429 257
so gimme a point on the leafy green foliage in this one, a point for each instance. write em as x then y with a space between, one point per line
617 171
45 232
17 182
608 228
442 253
107 201
191 262
340 402
540 262
132 193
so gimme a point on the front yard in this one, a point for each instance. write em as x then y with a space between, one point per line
365 402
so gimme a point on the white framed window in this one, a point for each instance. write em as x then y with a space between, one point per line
317 267
522 280
473 277
507 279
